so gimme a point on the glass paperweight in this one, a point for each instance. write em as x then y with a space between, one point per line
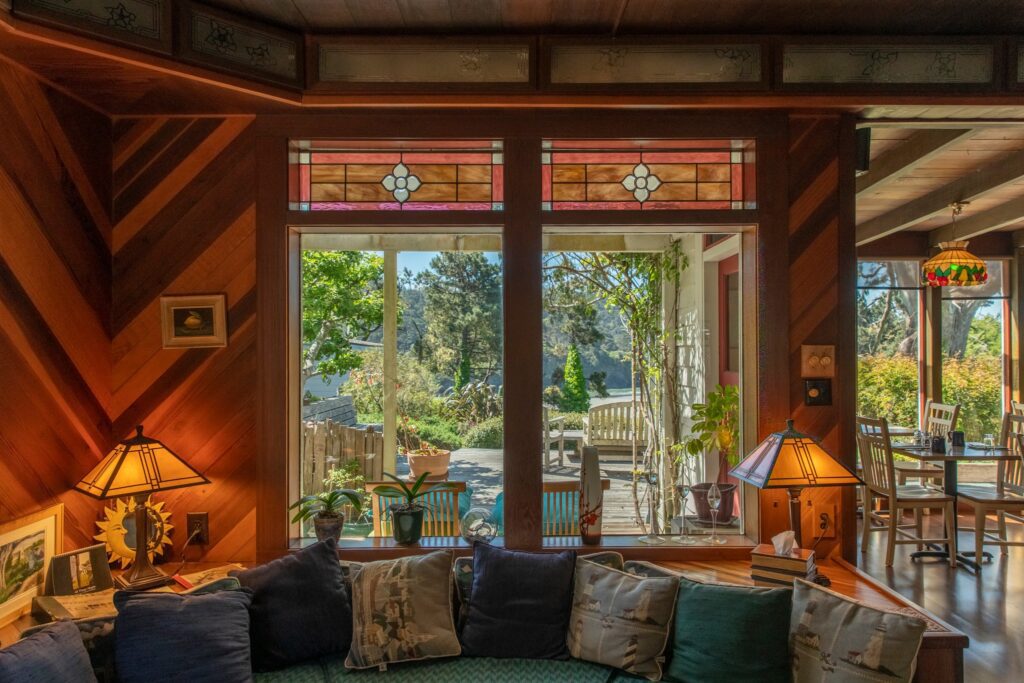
477 526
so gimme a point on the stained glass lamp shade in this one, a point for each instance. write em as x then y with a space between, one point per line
793 461
138 467
954 266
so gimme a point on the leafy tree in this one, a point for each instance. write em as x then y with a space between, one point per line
342 302
464 372
575 397
462 307
416 393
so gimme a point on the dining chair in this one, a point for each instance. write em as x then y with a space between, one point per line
1005 497
880 479
442 515
939 420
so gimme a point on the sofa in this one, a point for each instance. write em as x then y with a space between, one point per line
696 642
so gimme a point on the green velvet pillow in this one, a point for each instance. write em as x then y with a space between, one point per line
730 633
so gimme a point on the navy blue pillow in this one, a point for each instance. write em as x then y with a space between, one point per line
169 637
519 605
300 607
54 655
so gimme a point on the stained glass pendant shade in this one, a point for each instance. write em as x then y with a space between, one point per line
954 266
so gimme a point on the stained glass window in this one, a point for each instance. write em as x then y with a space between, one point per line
648 174
389 175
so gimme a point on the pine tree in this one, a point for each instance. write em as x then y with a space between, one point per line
575 397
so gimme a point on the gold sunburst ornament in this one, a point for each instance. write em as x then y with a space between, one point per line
117 530
954 265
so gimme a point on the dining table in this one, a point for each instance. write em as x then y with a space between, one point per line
950 458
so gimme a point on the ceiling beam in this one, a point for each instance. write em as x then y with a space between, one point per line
908 155
980 223
965 188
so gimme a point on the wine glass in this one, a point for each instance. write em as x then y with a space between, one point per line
990 441
651 538
684 538
714 501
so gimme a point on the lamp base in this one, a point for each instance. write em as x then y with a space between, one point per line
142 575
155 580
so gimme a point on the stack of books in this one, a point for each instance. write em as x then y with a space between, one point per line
769 569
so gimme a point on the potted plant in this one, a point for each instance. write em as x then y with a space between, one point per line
325 511
715 429
423 457
407 516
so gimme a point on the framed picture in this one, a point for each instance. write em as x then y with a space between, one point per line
26 547
79 571
193 321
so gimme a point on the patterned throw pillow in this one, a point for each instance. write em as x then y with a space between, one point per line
836 639
621 620
402 611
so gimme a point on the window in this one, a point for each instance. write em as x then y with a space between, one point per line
973 371
889 299
388 175
648 174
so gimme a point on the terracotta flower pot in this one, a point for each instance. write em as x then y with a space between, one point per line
699 493
436 463
328 527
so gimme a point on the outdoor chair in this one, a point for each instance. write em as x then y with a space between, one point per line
554 433
880 479
1005 497
939 420
443 514
560 508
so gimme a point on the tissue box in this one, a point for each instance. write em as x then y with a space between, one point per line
770 569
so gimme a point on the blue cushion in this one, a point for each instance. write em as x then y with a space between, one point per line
53 655
300 607
519 605
169 637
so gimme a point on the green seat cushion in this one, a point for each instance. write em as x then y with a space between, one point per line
307 672
730 633
477 669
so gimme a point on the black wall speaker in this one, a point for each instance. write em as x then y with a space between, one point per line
863 150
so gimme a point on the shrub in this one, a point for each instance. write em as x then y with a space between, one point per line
887 387
575 397
553 395
572 420
435 431
488 434
472 403
976 383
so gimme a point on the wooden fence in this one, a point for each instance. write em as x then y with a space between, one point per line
328 445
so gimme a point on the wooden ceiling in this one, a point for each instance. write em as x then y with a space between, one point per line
612 17
917 172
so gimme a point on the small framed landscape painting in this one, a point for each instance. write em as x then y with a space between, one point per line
193 321
79 571
26 547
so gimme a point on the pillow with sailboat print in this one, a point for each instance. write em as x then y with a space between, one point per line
836 639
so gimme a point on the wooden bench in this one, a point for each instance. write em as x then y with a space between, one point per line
610 426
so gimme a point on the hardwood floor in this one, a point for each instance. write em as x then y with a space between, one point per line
988 607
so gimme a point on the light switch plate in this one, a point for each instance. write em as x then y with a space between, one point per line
817 392
817 360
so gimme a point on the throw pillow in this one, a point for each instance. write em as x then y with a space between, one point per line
54 654
730 633
621 620
519 605
168 637
300 607
837 639
402 611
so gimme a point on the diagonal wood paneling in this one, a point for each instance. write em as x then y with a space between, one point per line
55 271
184 206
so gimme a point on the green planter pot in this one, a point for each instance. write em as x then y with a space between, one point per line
406 524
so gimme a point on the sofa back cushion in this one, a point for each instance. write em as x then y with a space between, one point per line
54 654
621 620
735 633
166 637
300 607
402 611
834 638
519 605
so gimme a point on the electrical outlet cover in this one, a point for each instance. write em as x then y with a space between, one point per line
202 520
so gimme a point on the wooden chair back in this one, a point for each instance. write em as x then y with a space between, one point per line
1010 477
1017 407
940 418
441 517
876 455
560 507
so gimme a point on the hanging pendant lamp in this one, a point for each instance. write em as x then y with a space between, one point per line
954 265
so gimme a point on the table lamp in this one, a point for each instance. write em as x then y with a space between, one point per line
793 461
138 467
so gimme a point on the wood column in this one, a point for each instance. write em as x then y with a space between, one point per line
522 245
1014 322
931 341
390 360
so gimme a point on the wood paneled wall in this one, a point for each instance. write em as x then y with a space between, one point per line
54 300
184 223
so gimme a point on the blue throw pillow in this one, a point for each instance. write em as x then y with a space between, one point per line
519 605
300 607
168 637
54 654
